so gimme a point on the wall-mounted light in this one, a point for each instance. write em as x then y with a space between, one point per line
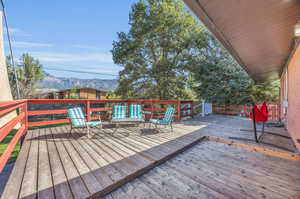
297 29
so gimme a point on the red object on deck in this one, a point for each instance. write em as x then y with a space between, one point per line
261 114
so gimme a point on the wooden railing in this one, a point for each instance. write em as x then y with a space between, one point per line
157 107
14 115
40 112
244 110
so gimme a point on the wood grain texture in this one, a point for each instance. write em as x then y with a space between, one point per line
217 170
64 165
59 164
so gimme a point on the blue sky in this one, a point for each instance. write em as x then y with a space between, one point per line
70 35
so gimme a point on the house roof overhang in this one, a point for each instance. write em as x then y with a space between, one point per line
259 34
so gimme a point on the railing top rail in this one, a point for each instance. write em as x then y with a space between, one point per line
4 104
78 101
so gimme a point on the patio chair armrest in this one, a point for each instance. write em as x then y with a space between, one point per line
147 113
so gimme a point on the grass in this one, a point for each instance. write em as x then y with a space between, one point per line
4 144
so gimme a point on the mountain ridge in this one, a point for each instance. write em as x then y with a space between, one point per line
63 83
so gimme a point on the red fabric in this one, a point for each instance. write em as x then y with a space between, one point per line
262 114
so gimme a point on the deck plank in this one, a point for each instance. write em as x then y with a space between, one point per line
130 191
221 168
187 186
30 180
61 186
77 185
45 184
103 180
88 178
245 166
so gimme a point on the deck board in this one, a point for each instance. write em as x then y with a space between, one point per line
61 186
56 164
76 182
45 183
30 179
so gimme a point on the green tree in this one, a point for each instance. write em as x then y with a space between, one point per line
218 78
158 50
29 73
112 95
73 92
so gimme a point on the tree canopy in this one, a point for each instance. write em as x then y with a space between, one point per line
168 54
218 78
29 73
158 50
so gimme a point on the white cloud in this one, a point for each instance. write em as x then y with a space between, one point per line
87 47
23 44
53 57
13 30
17 31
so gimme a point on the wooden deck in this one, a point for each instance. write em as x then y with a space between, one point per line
56 164
226 127
202 162
219 171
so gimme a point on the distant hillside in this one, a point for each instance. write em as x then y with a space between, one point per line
61 83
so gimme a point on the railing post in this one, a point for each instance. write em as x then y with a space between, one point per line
25 122
179 110
278 105
26 115
192 109
88 110
128 102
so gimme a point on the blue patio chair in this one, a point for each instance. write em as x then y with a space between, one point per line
136 113
167 120
77 120
120 114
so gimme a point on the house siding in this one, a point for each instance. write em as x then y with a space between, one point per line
293 95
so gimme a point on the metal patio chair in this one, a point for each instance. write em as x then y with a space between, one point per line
120 114
167 120
77 120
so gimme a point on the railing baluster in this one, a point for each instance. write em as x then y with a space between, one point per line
178 110
88 110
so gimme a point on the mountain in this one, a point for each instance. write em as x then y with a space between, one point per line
61 83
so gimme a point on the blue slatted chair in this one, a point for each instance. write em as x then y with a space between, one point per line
167 120
77 120
136 113
120 114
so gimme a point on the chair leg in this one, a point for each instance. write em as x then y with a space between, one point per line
88 132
